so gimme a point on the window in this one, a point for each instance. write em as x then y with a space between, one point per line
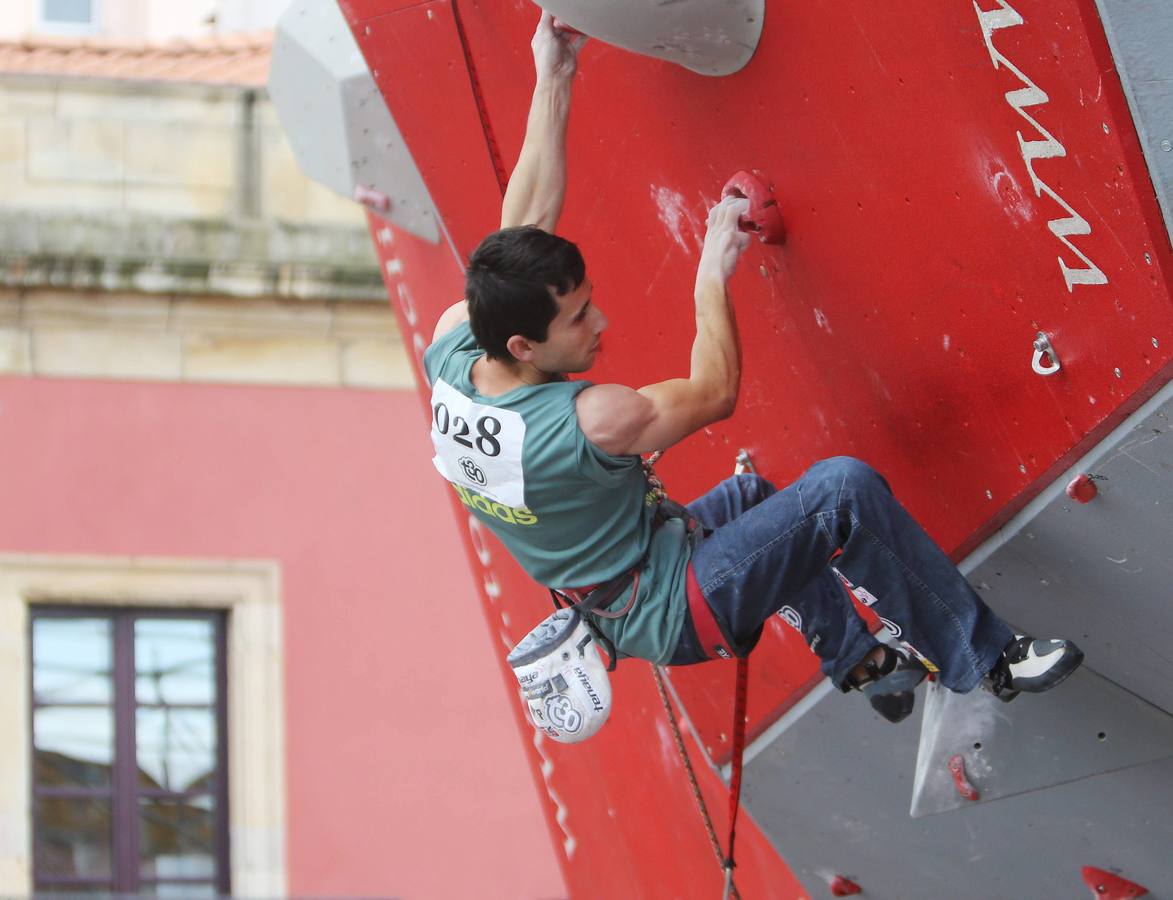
129 775
247 595
70 16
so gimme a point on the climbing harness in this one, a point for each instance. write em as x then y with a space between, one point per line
593 600
589 600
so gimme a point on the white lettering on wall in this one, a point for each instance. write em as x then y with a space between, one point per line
492 588
1044 146
568 841
419 343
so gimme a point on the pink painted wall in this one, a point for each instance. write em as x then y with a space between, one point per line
406 773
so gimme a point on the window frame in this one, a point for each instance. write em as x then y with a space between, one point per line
56 26
251 591
125 793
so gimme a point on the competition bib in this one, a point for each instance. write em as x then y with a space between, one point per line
477 446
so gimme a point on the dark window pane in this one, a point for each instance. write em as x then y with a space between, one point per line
176 748
73 837
176 839
75 11
73 747
71 660
173 661
107 684
54 892
180 890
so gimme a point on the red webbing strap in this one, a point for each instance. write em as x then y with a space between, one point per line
708 632
741 694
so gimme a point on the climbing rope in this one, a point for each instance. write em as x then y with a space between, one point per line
482 108
741 695
726 861
651 477
739 705
692 779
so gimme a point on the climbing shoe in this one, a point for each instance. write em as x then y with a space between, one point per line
890 684
1032 665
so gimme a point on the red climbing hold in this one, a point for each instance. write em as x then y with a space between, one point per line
561 26
1082 489
368 196
844 887
1108 886
957 770
763 218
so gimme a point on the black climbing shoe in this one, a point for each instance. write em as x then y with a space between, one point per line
890 685
1032 665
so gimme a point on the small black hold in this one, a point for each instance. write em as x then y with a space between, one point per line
977 745
1102 735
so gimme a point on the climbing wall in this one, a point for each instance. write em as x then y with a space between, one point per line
1012 800
959 180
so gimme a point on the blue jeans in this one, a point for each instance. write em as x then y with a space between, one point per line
769 552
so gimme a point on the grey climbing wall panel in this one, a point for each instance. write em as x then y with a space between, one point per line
1102 572
832 794
1085 727
705 37
1140 33
338 126
834 790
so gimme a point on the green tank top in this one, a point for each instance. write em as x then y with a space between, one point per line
570 514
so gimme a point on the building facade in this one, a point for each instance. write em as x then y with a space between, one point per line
136 20
240 656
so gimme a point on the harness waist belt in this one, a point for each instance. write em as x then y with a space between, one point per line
713 641
591 598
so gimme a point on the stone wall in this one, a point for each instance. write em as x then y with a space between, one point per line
161 188
263 340
164 231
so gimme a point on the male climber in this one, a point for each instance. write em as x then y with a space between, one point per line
553 468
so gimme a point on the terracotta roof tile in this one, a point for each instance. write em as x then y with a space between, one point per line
241 59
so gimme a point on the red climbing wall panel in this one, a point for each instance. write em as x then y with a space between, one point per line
954 180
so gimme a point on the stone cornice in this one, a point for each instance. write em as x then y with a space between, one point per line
123 251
